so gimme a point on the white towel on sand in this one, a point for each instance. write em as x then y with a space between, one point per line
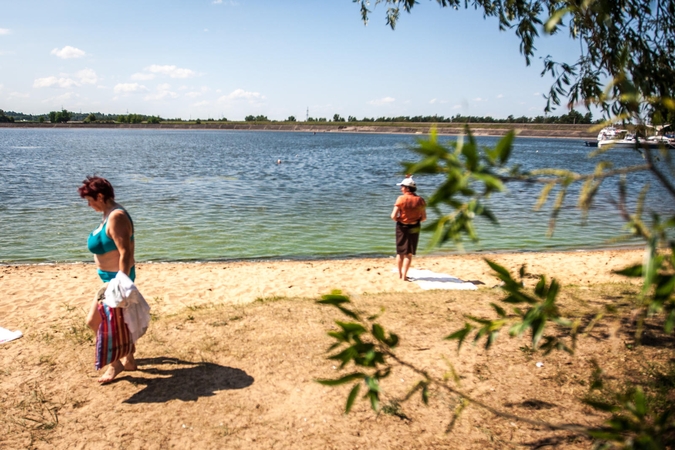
6 335
427 279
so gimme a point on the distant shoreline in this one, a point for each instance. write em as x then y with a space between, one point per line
558 131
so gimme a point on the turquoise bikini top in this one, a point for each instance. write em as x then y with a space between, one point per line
99 242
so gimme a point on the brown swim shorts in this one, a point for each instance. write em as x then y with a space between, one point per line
407 237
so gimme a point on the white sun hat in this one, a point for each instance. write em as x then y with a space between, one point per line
407 181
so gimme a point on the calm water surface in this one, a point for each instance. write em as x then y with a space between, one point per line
218 195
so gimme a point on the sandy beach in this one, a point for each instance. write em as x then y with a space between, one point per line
36 294
234 349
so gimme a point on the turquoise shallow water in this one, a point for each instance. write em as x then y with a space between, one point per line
220 195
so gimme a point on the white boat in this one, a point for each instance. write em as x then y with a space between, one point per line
612 137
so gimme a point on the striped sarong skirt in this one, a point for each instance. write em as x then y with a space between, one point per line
113 340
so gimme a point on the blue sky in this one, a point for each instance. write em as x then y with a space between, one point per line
231 58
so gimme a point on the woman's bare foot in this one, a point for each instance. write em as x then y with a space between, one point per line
114 369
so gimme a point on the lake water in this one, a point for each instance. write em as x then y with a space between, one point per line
220 195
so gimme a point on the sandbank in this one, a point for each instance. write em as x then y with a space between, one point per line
39 293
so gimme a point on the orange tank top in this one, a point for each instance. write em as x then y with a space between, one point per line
411 208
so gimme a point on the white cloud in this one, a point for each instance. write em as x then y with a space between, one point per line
68 52
240 94
172 71
1 86
142 76
52 81
202 103
127 88
432 101
84 76
478 99
221 2
18 95
199 93
163 91
4 31
457 107
537 94
87 76
382 101
500 96
60 98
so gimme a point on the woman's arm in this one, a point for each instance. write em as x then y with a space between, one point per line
395 213
120 230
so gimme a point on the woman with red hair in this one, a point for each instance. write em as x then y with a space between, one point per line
112 244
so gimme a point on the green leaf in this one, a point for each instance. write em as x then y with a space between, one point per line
348 312
640 403
425 394
378 332
351 327
602 406
538 327
631 271
334 298
500 311
504 274
502 150
372 383
374 400
343 380
345 355
471 155
552 291
491 339
338 335
669 324
352 396
375 316
540 289
553 21
460 335
392 341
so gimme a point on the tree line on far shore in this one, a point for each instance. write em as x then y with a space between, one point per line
64 116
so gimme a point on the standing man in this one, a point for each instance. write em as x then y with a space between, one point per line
409 212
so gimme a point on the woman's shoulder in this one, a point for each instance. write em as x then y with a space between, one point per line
119 214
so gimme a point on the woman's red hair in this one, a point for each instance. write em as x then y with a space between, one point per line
94 185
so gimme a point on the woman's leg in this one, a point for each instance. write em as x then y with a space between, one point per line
129 362
94 318
407 259
94 321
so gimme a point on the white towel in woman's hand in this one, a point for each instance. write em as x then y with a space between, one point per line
123 293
